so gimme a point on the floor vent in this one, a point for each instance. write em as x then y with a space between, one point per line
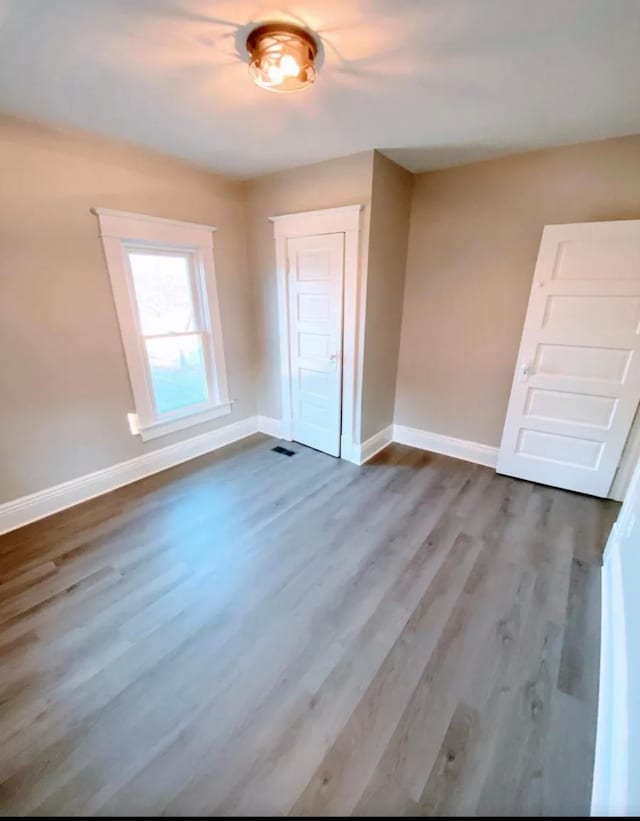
283 451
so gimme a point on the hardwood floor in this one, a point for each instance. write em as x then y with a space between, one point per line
256 633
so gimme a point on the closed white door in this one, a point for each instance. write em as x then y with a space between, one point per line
315 280
577 381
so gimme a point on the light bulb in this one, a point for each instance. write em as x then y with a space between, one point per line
282 57
289 66
274 72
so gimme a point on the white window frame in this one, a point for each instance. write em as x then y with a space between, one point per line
123 232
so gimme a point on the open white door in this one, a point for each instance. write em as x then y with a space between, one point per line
577 381
315 272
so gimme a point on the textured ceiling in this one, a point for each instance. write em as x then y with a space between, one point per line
431 82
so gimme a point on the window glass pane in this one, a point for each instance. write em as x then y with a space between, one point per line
163 292
177 372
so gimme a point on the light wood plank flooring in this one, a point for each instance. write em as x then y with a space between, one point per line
252 633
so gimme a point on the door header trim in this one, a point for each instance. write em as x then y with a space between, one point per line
325 221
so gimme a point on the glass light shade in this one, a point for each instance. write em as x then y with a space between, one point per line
282 57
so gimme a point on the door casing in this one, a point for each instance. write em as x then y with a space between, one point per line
345 220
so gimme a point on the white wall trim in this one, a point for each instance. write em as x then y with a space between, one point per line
270 426
345 220
35 506
447 445
323 221
628 461
367 450
26 509
130 217
609 796
186 420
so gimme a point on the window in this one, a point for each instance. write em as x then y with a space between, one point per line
163 281
172 325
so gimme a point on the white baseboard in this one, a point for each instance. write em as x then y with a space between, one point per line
35 506
357 454
367 450
447 445
270 426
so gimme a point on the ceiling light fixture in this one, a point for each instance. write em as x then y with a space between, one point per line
282 57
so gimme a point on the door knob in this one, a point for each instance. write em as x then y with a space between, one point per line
333 357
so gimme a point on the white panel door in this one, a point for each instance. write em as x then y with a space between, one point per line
315 282
577 381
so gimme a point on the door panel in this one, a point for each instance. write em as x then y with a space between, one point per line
583 258
315 283
570 407
575 313
559 448
588 363
577 381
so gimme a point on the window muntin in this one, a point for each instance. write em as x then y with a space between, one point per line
171 317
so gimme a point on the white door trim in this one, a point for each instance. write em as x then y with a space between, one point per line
347 221
628 461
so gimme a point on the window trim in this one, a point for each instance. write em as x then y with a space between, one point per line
122 232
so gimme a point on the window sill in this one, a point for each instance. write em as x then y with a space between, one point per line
187 420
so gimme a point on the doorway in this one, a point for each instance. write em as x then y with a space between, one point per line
320 299
315 266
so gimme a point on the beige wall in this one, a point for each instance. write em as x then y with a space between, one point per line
387 257
64 390
474 237
345 181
